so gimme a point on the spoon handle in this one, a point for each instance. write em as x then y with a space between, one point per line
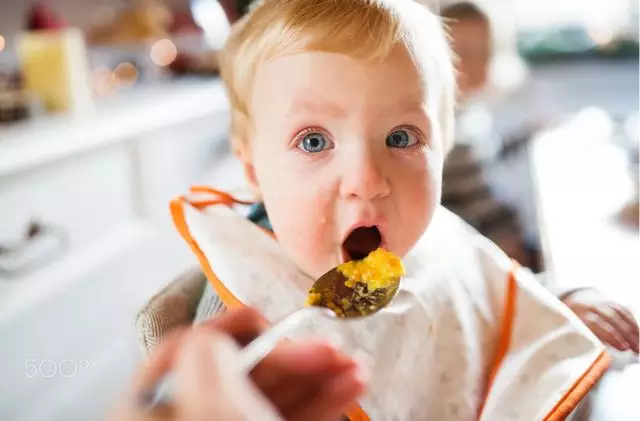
250 356
260 347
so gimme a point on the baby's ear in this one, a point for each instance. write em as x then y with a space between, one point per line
250 174
241 134
242 151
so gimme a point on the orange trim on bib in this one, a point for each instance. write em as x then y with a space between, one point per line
220 196
177 213
355 413
176 206
580 388
504 341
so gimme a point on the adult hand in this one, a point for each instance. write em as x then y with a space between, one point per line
297 381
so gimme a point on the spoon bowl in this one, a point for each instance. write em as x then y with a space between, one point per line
333 291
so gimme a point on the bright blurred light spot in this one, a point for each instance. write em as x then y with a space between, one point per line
592 123
212 19
2 43
101 70
163 52
126 73
508 71
601 36
104 81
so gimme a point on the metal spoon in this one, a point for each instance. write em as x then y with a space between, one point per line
348 302
336 300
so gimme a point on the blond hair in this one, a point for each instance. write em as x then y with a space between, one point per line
362 29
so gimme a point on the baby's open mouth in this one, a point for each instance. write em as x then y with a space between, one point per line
361 242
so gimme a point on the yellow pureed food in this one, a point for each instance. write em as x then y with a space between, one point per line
313 298
377 270
369 282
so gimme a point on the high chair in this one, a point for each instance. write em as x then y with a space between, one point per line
181 303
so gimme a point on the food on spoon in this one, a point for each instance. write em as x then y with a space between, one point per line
377 270
369 282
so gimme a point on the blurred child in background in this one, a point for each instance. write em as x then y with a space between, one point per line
467 193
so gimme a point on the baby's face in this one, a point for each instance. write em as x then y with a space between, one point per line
344 155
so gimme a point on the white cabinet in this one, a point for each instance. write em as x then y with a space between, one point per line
67 340
73 195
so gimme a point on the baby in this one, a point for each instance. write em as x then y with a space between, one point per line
342 116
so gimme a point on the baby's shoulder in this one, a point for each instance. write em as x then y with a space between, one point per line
450 239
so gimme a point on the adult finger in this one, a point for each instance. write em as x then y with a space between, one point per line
244 325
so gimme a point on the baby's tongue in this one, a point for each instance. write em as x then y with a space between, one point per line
361 242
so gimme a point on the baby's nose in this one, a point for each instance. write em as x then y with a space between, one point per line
364 178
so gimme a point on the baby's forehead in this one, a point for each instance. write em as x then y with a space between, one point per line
305 76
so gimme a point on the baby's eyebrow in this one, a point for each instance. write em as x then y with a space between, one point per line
410 104
316 105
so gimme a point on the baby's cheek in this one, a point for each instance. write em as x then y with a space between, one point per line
305 243
306 234
419 201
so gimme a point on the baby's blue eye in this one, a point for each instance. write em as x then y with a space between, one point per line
400 139
314 143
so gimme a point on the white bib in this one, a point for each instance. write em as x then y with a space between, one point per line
469 336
